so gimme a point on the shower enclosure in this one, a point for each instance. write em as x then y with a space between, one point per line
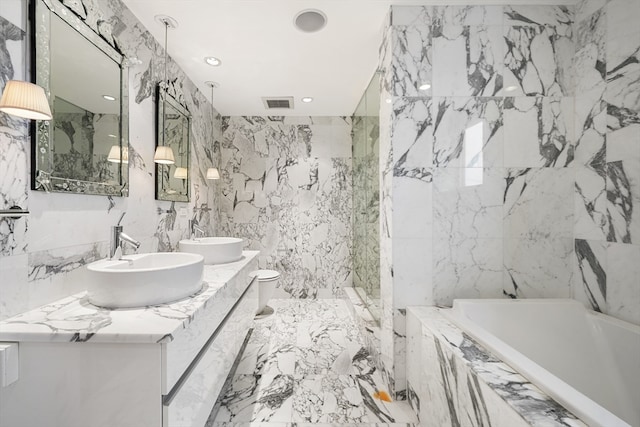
366 240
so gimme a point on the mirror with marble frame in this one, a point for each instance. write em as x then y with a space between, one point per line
172 130
85 148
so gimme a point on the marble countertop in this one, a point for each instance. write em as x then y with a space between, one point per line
74 319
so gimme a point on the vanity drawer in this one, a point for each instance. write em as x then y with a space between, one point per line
178 354
192 402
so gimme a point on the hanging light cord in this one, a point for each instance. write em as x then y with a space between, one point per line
166 32
212 113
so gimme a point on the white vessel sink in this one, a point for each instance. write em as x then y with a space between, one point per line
215 250
144 279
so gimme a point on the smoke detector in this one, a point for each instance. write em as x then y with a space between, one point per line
310 20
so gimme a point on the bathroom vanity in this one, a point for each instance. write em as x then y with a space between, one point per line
161 366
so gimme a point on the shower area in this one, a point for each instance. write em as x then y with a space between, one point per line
366 199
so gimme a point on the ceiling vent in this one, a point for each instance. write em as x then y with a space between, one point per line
282 102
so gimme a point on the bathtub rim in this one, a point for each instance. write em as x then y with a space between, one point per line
573 400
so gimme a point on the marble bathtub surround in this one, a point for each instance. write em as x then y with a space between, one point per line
452 378
306 364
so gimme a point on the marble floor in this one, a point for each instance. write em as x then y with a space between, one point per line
305 365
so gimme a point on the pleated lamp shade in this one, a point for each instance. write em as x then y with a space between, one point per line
115 157
212 173
24 99
180 173
164 155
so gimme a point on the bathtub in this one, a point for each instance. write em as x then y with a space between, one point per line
586 361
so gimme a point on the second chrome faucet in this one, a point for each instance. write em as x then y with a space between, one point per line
195 229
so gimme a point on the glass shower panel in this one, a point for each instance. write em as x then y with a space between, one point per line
366 232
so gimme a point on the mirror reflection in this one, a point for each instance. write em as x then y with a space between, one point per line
84 148
172 151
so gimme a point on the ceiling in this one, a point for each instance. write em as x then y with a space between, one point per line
264 55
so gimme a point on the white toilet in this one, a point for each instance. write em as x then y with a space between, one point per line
267 281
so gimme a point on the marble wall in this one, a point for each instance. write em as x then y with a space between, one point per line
495 180
42 255
607 157
286 189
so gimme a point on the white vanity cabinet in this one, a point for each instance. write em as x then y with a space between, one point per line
162 366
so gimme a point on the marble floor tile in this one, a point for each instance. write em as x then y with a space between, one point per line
379 410
351 425
258 424
264 359
306 364
328 398
255 424
331 360
257 398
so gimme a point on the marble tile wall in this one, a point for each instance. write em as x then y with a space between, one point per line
286 189
607 157
42 256
514 173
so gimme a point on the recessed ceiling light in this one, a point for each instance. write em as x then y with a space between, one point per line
213 61
108 97
310 20
425 86
112 135
307 99
388 100
510 88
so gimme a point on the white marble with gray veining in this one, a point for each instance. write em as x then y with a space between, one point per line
286 188
607 190
306 364
74 319
453 379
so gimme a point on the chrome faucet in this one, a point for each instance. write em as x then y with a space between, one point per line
194 229
118 240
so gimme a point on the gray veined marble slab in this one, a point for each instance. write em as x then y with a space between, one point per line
73 319
328 391
538 61
467 60
469 132
466 382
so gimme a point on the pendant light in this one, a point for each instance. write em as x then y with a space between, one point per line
212 173
181 173
26 100
164 154
118 156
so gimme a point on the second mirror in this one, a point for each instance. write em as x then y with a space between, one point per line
172 149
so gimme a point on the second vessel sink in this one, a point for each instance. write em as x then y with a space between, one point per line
144 279
215 250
